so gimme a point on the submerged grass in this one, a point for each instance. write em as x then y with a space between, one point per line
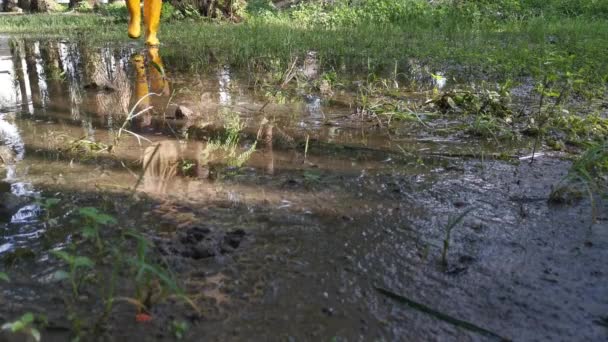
589 172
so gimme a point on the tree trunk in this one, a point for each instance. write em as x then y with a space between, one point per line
32 74
53 69
74 3
10 6
17 52
24 4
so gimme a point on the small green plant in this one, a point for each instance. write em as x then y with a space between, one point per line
590 171
48 204
87 147
152 282
452 223
559 79
116 10
312 176
24 325
227 148
93 219
179 329
187 167
84 7
475 101
75 274
488 126
577 130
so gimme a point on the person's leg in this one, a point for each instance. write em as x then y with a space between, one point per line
152 10
134 18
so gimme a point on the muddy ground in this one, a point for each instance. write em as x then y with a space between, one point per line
340 238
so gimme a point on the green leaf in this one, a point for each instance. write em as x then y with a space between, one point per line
439 315
83 262
106 219
17 326
88 211
50 202
27 318
35 334
89 232
96 216
64 256
312 176
60 275
4 276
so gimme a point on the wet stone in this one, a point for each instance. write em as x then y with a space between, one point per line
183 112
328 311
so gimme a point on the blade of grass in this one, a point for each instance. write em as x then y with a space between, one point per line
440 315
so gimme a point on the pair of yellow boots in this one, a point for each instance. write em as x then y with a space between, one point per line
152 10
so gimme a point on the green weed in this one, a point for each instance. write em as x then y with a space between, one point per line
589 171
24 325
179 329
93 219
77 269
227 148
452 223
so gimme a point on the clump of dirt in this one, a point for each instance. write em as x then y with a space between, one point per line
200 242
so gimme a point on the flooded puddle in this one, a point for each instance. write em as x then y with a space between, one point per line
299 239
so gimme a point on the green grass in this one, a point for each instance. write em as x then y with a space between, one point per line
500 50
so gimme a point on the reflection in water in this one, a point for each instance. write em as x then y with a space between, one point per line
73 82
36 64
167 159
8 94
53 81
18 55
161 164
70 60
223 75
313 107
50 89
150 78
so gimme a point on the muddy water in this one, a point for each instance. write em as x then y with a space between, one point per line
311 233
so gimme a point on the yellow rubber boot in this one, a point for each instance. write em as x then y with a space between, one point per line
152 20
158 81
134 18
141 81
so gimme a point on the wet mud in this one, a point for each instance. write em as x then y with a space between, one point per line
334 229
